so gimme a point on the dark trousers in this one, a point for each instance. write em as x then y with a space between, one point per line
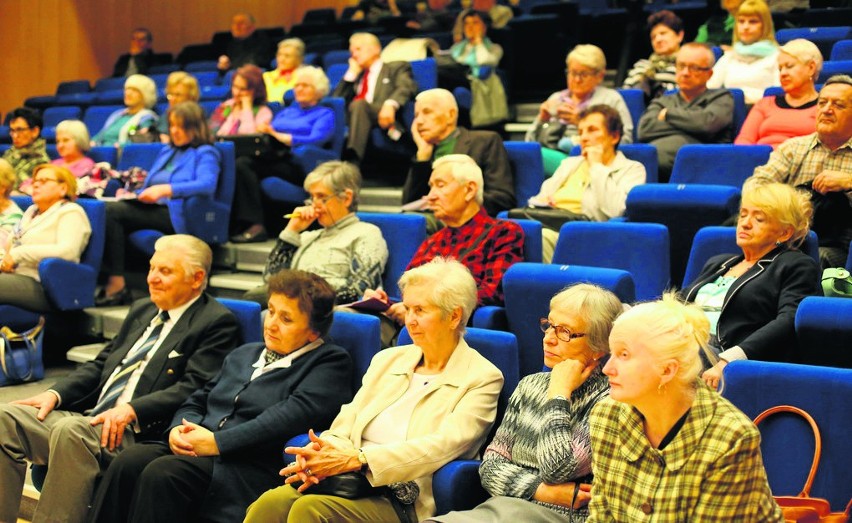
362 118
127 216
247 207
150 484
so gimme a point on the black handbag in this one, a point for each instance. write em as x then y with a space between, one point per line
257 146
549 217
20 355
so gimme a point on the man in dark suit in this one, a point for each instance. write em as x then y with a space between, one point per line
167 348
436 133
140 57
374 92
246 46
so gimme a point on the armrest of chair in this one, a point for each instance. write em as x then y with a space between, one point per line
68 285
490 317
282 191
456 486
307 157
296 441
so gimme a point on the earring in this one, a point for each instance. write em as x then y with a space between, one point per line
778 243
661 389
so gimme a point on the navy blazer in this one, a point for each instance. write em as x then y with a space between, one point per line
759 310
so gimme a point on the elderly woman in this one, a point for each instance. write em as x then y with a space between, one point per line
656 75
419 407
140 96
52 227
476 50
555 127
180 87
10 213
663 431
301 123
751 298
188 167
28 147
266 393
289 57
538 467
774 119
752 64
348 253
246 111
72 144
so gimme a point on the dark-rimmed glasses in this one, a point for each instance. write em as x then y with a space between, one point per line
562 332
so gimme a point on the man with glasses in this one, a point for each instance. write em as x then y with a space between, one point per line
694 114
28 147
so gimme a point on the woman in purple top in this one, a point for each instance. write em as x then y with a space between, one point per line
72 144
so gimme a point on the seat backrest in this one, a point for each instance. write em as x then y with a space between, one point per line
139 155
527 168
635 101
73 86
403 234
833 34
104 153
532 239
425 73
787 441
832 68
841 50
335 73
248 317
337 105
642 249
325 17
360 334
96 116
824 332
646 154
53 115
110 84
718 164
740 110
336 57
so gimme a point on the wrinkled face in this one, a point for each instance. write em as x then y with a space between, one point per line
286 328
364 53
66 146
241 26
664 40
288 58
793 73
749 28
434 121
139 42
168 283
177 132
330 207
304 91
557 350
593 132
133 98
757 230
693 69
834 112
582 79
426 323
48 188
447 198
474 28
22 134
632 371
177 94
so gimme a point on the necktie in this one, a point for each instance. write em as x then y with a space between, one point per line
365 85
131 363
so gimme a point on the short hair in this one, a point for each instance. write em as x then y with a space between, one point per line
148 35
443 96
313 294
844 79
804 51
365 38
145 86
337 176
8 177
708 51
760 9
63 175
668 329
667 18
588 55
597 306
193 121
253 75
187 80
78 131
317 78
293 43
612 119
31 116
196 254
247 15
790 206
482 15
464 169
450 286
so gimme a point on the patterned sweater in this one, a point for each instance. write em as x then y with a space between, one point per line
541 441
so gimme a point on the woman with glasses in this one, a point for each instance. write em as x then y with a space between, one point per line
28 147
246 110
538 466
180 87
52 227
346 252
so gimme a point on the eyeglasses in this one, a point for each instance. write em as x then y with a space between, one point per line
562 332
692 68
17 130
322 200
44 180
580 75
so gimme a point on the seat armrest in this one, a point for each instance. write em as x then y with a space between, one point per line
456 486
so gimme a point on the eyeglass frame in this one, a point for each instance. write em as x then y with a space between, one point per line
322 200
45 180
581 75
545 325
692 68
18 130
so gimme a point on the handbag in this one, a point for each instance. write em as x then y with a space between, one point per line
488 103
549 217
802 508
354 485
257 146
836 283
20 355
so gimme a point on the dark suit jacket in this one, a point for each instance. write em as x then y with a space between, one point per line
144 61
486 149
191 355
759 310
395 82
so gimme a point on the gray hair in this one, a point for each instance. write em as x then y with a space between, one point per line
365 38
450 285
804 51
144 85
293 43
596 305
78 131
337 176
442 96
8 178
708 51
316 76
844 79
588 55
464 170
196 254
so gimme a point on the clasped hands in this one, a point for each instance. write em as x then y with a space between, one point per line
318 460
191 439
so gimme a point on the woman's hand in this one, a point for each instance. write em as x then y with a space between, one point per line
568 112
593 154
201 439
567 376
178 445
317 460
246 101
713 375
7 264
301 219
155 192
562 494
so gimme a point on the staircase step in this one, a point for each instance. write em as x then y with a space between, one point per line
380 196
251 257
236 281
84 353
106 321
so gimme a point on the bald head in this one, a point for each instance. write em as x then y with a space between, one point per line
435 115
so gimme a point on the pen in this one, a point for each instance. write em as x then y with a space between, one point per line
292 215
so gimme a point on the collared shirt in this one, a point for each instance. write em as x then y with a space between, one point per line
375 69
799 160
486 246
277 83
261 368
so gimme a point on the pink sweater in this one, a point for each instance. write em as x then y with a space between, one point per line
772 121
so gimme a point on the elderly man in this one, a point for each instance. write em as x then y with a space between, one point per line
246 45
139 58
167 348
436 133
694 114
374 91
28 147
822 162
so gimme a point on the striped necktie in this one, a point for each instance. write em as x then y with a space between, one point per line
131 363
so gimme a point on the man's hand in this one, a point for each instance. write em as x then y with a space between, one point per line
155 192
224 63
387 115
114 421
832 181
424 148
354 69
44 402
713 375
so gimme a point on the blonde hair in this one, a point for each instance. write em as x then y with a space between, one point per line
760 9
450 286
597 306
790 206
365 38
145 86
293 43
63 175
187 80
588 55
804 51
8 178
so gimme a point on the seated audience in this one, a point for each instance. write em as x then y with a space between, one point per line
10 213
821 162
752 64
188 167
223 447
436 133
52 227
656 75
180 87
246 111
374 91
432 16
419 407
663 430
72 144
476 50
499 14
718 30
374 10
774 119
555 127
694 114
538 466
304 122
168 347
246 46
139 58
288 58
28 147
346 252
138 118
